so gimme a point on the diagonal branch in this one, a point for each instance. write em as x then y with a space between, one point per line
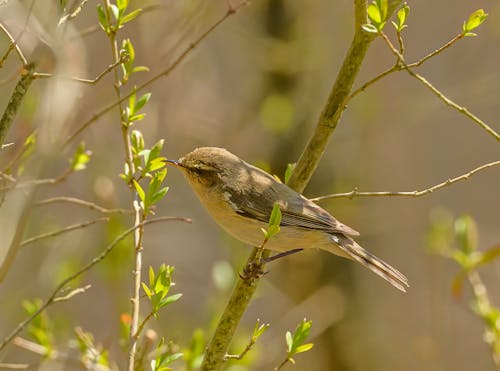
231 11
446 183
58 232
437 92
60 287
80 202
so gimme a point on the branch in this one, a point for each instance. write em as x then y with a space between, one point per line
70 15
232 10
93 81
62 231
446 183
15 100
339 96
13 46
438 93
14 366
84 203
36 182
484 309
330 117
399 67
59 288
245 288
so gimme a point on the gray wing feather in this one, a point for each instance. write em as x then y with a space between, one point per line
296 210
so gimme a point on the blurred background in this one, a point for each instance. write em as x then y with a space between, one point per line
256 86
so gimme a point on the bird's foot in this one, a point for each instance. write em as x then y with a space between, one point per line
281 255
253 270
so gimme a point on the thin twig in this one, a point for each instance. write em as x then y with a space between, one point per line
139 215
95 28
231 11
143 323
50 300
84 203
35 348
14 366
240 356
483 308
93 81
398 67
15 244
69 295
285 361
446 183
58 232
375 79
13 46
436 52
437 92
68 16
38 182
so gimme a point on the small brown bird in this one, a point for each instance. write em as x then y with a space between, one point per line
240 197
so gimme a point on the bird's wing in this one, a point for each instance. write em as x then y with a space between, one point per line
296 210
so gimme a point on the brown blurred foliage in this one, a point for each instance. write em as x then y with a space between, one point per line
256 86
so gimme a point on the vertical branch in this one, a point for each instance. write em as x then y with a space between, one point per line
139 216
245 287
15 100
331 114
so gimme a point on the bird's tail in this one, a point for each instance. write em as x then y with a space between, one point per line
350 248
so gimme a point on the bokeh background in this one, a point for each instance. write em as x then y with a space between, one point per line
256 86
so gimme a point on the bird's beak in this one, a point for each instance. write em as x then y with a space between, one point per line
173 163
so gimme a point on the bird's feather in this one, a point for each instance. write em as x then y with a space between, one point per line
297 211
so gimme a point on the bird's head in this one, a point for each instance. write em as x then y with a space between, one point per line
206 165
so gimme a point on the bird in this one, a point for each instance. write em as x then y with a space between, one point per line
240 198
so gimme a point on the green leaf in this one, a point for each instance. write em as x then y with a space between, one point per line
299 336
169 300
122 5
466 234
369 28
383 6
374 13
137 141
103 20
142 101
489 255
275 218
156 149
303 348
158 163
289 341
130 16
131 104
259 329
139 190
146 290
80 158
274 222
140 69
138 117
157 196
151 276
289 171
403 14
115 11
474 21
